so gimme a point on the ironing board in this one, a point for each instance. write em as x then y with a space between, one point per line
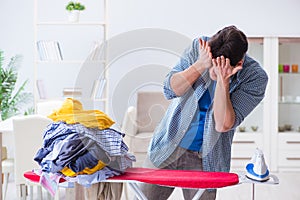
172 178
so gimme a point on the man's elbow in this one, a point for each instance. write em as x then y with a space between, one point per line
222 127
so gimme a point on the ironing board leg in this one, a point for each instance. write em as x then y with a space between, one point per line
253 191
141 196
198 194
138 192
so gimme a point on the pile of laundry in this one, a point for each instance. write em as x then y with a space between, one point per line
81 146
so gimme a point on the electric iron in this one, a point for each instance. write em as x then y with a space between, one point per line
257 169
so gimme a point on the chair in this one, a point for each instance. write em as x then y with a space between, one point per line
48 106
28 139
7 169
140 121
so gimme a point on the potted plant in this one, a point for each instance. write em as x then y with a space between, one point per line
13 99
74 9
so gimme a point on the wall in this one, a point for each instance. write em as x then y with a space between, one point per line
187 18
16 36
196 17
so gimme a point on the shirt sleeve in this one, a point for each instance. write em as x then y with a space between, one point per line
189 56
249 93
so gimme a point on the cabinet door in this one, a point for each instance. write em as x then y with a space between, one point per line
288 102
289 151
288 88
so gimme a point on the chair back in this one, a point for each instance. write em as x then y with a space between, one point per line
28 137
151 107
47 107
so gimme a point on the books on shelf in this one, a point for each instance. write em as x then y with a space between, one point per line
96 51
49 50
41 89
98 88
72 92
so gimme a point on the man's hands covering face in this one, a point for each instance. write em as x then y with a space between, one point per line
218 67
222 68
205 56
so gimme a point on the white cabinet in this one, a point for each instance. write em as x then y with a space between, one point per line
288 104
70 57
288 83
289 151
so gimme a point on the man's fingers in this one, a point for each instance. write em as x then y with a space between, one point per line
214 62
218 59
208 48
227 62
222 62
201 43
206 45
210 54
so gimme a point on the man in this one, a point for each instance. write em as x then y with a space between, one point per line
213 88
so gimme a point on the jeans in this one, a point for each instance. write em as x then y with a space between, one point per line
181 159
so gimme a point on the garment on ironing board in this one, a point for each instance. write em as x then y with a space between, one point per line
72 112
54 157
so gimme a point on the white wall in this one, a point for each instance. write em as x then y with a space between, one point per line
16 35
188 18
194 17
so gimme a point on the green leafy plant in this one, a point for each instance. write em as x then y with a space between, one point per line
75 6
12 99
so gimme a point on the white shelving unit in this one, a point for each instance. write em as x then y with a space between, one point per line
288 143
78 67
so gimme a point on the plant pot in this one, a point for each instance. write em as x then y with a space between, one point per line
74 16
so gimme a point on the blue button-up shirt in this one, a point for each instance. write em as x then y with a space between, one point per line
247 89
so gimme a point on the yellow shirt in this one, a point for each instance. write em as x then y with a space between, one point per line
68 172
72 112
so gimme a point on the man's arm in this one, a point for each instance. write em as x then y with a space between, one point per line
224 113
182 81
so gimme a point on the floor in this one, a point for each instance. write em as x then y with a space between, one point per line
288 188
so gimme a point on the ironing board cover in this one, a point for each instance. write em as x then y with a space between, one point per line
172 178
180 178
36 178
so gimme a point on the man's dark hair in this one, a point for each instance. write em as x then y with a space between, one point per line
229 42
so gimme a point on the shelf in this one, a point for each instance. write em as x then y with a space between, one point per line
293 102
100 100
288 74
70 96
64 23
79 41
248 132
289 132
69 61
259 40
289 40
